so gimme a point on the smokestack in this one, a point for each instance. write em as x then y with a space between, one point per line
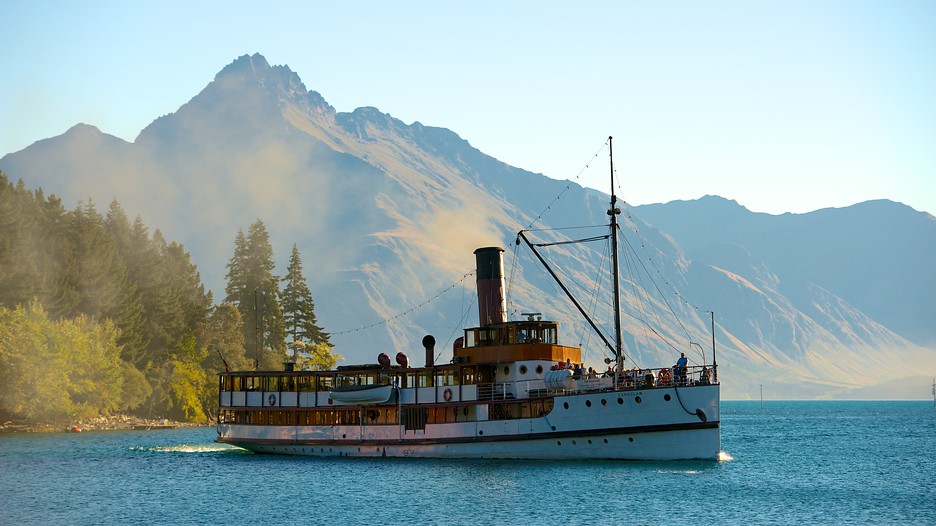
492 306
429 343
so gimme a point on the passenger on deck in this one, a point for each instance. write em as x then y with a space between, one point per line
681 366
629 376
648 378
576 372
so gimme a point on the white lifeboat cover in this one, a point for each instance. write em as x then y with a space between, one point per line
559 379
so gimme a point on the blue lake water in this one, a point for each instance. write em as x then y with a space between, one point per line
805 462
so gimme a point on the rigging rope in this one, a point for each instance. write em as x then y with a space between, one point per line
668 284
568 186
408 311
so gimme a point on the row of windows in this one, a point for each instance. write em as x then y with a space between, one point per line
323 382
384 415
512 333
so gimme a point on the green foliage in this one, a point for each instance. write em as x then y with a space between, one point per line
122 301
315 356
54 371
97 315
188 380
136 390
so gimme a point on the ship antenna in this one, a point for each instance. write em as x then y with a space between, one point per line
614 211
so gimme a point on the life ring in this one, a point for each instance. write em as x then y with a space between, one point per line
665 376
271 400
447 394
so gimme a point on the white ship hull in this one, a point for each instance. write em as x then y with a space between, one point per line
648 424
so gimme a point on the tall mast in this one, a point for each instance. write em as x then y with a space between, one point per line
613 212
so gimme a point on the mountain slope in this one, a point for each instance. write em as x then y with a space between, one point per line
871 254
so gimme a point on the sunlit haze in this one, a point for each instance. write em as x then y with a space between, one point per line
782 106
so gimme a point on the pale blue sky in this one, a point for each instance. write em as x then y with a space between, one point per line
783 106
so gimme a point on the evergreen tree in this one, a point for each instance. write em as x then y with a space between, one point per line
298 307
254 289
130 318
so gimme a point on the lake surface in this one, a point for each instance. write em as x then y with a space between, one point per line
804 462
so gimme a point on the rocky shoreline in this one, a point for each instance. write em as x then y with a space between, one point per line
101 423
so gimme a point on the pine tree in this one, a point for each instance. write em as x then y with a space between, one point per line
254 289
130 318
298 307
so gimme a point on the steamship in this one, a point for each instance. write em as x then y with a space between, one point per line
507 393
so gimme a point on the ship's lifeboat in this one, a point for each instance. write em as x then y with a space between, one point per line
361 394
559 379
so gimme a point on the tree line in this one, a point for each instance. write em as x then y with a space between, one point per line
98 315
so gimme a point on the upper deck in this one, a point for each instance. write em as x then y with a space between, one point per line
515 341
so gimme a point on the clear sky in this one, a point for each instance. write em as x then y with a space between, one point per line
784 106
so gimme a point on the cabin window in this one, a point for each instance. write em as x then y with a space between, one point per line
304 383
325 383
446 377
425 379
468 375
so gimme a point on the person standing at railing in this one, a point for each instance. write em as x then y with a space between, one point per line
681 365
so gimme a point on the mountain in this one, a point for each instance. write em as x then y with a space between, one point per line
387 215
869 254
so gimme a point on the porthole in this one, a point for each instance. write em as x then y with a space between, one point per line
620 401
558 442
344 436
589 442
539 369
637 399
606 441
666 397
553 428
630 439
573 442
523 369
587 403
480 432
604 402
506 371
565 405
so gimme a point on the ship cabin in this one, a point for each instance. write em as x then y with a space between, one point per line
512 341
